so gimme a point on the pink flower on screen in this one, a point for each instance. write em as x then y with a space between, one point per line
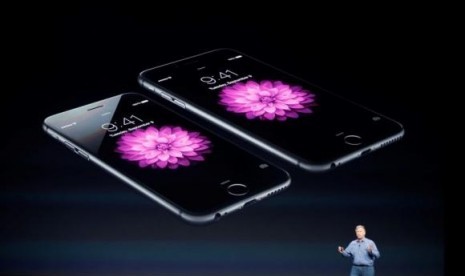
167 147
267 100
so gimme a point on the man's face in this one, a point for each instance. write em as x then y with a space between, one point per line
360 232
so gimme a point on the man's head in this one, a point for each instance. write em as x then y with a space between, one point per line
360 231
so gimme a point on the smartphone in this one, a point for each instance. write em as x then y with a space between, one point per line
182 166
302 123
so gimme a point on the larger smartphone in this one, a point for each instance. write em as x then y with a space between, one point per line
291 118
173 161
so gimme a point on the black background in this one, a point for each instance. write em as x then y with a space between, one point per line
63 215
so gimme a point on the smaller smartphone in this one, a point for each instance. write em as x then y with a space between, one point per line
297 121
182 166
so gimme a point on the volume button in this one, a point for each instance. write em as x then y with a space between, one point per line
164 96
68 145
83 154
76 150
179 103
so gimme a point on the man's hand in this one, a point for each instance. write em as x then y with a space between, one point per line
340 249
370 248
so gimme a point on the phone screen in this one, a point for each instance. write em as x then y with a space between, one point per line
176 159
295 116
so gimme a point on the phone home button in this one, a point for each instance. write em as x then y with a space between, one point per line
237 189
353 140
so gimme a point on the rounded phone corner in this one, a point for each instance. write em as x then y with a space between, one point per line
224 49
128 93
401 132
288 180
199 219
400 127
48 121
141 76
44 127
312 167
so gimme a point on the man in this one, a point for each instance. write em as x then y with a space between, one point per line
363 252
